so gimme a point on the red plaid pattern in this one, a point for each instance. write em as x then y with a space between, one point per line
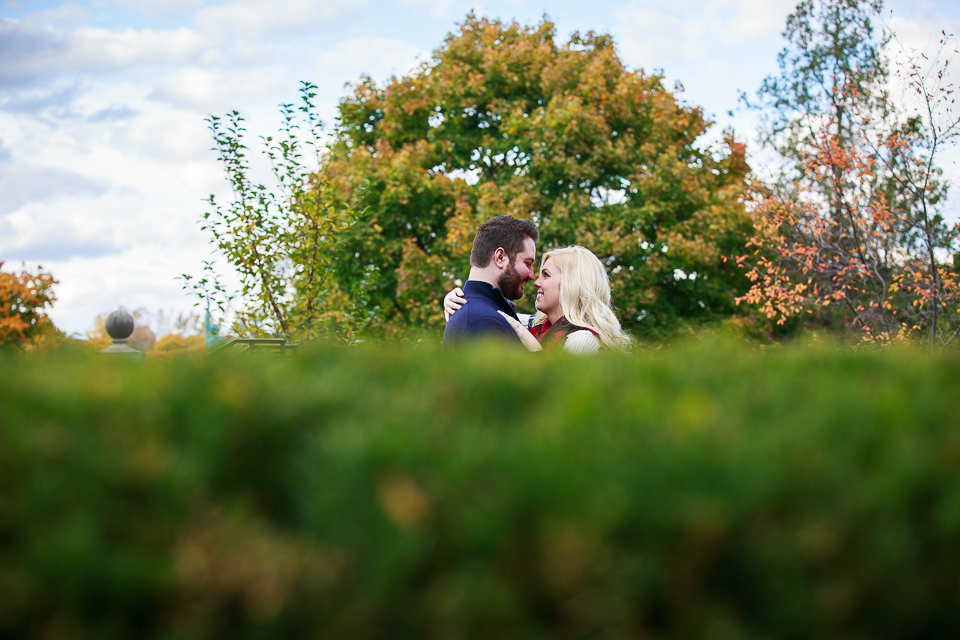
550 334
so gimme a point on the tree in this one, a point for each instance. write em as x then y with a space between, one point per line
24 297
503 119
934 124
806 259
851 234
831 70
280 242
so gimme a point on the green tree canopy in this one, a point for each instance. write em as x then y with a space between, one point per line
503 119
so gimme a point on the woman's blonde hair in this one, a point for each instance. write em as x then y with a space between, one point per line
585 294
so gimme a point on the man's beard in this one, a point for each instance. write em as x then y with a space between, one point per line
511 283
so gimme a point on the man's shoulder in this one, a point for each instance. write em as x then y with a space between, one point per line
480 315
476 318
472 318
481 310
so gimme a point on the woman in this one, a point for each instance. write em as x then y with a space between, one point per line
573 305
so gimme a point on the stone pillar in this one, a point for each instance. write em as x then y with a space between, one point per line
119 326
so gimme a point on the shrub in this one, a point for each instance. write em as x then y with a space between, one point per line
708 491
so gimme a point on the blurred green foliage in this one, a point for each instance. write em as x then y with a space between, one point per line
702 491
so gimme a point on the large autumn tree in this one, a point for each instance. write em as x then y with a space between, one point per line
505 119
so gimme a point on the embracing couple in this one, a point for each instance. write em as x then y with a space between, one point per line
573 293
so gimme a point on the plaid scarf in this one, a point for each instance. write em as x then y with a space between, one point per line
551 334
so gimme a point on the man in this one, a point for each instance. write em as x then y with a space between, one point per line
501 262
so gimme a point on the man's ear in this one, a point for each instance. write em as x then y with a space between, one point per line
500 258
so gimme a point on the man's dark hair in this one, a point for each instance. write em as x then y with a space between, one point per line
501 231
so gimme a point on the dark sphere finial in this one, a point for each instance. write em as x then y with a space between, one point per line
119 324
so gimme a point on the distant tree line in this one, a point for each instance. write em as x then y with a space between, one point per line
365 228
846 237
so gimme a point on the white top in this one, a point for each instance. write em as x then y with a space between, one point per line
526 319
581 343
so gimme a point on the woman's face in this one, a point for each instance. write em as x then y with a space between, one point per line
548 291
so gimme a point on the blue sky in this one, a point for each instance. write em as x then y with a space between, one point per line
104 154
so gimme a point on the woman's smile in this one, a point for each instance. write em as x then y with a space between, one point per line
548 291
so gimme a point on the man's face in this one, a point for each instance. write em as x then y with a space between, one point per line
519 272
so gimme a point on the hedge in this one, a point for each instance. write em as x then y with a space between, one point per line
709 491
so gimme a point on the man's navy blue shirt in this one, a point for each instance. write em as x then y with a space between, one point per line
479 316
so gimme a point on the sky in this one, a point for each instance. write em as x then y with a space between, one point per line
106 161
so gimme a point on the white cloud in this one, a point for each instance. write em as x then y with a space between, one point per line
436 7
162 135
694 29
65 16
217 89
124 247
30 52
22 183
651 34
251 18
162 7
377 57
143 276
63 244
750 20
